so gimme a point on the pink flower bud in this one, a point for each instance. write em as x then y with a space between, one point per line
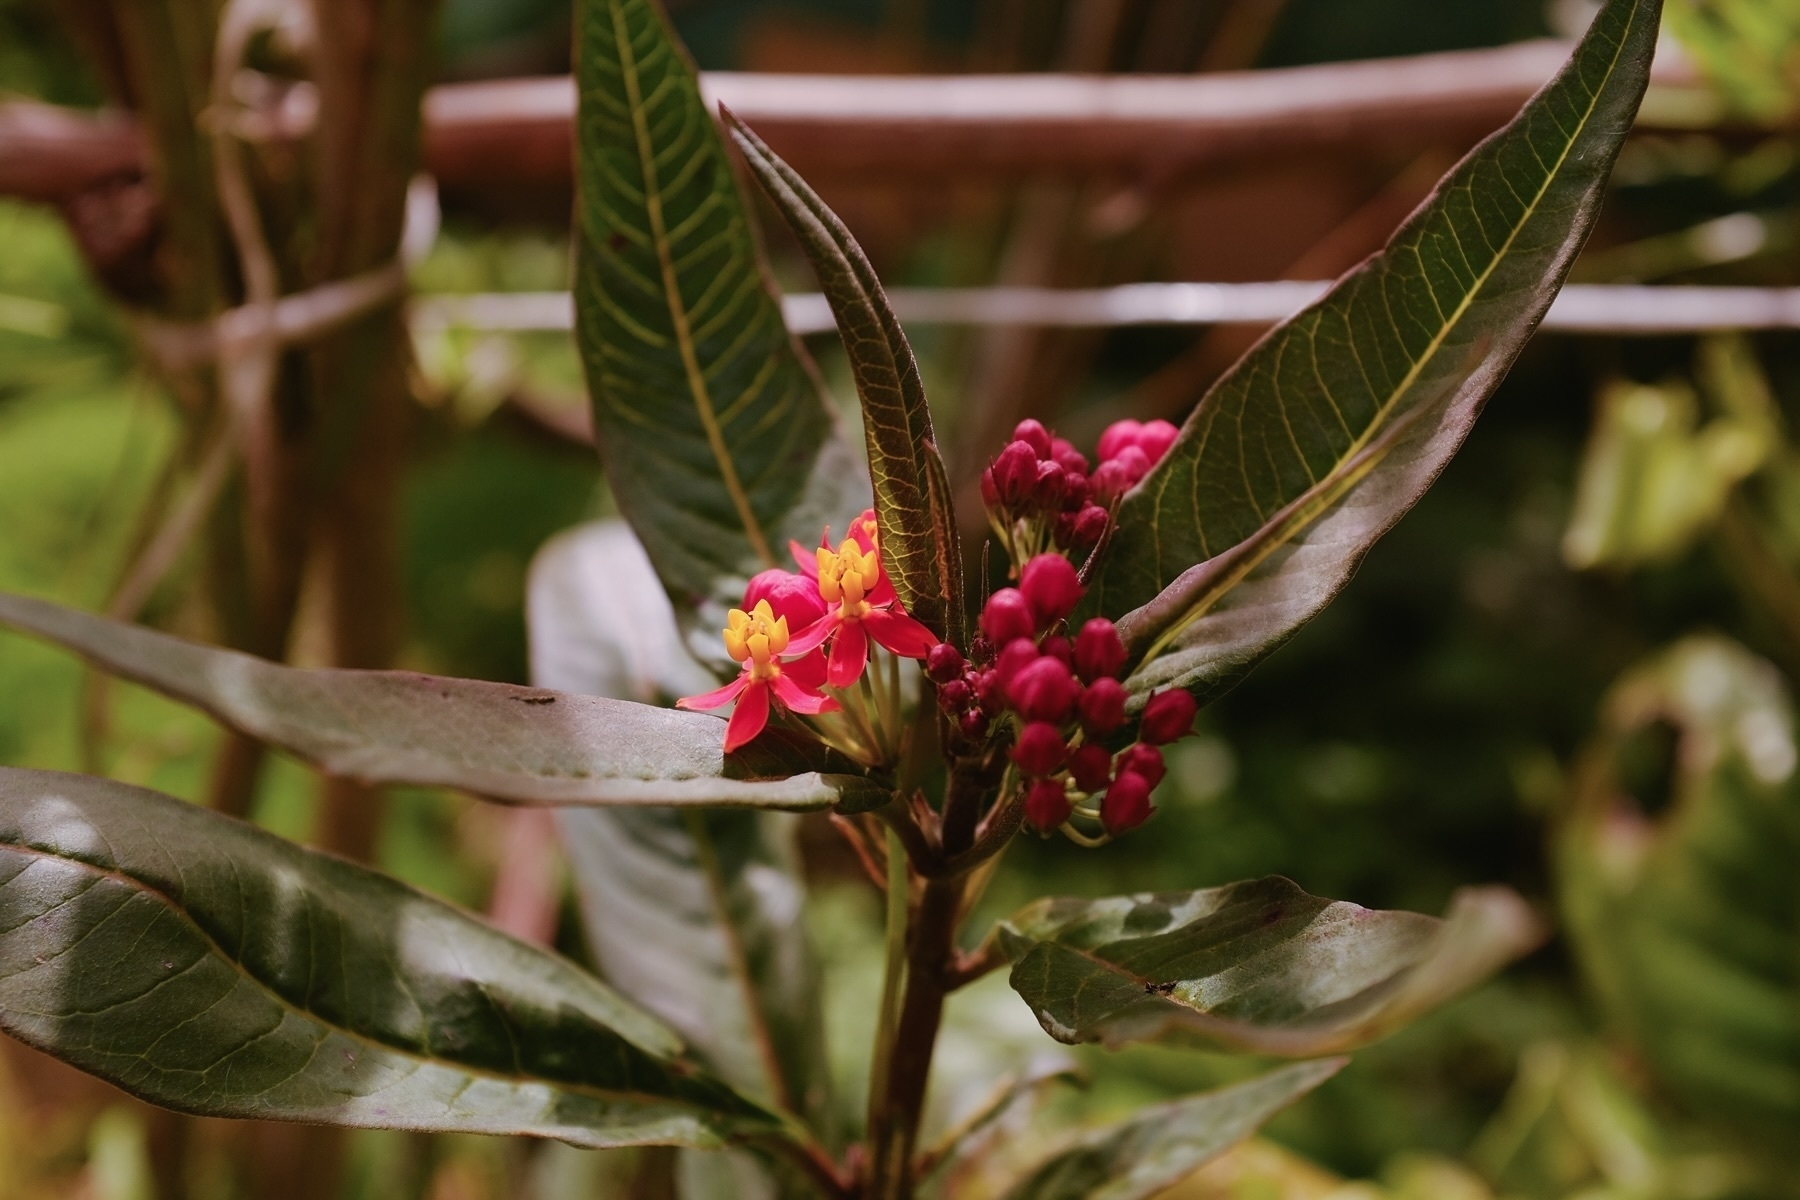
990 491
1155 438
990 691
1018 654
1088 528
1015 473
1033 434
1103 707
1168 717
1126 804
974 724
1040 750
1118 435
1139 759
955 695
943 662
1075 493
1050 587
980 649
1091 766
789 595
1047 805
1044 691
1099 651
1047 491
1007 616
1057 648
1109 481
1068 457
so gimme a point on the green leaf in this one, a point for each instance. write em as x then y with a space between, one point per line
524 745
1686 925
207 966
1326 433
717 441
1260 967
1164 1144
695 915
919 543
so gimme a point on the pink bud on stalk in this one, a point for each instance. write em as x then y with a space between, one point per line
1051 587
1168 717
1040 750
1091 767
1126 804
1007 616
1099 651
1046 805
1103 707
1044 691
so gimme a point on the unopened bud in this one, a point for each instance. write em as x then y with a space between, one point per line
1047 491
1109 481
1117 437
1040 750
1091 767
1057 648
955 695
1088 527
1168 717
974 724
1033 434
1015 473
1019 654
1043 691
1103 707
1068 457
1139 759
1155 438
1047 805
943 662
1126 804
1051 587
990 491
1099 651
1007 616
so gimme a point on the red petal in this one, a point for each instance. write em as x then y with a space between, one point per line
808 672
884 591
813 636
849 655
749 718
900 633
799 699
716 699
807 560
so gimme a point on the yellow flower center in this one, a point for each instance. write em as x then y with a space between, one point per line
757 637
848 576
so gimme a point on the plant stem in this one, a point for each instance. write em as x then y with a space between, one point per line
893 978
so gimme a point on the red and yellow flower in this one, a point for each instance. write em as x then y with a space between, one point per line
860 605
758 638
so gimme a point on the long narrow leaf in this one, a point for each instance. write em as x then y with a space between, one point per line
1260 967
524 745
695 915
207 966
1160 1146
717 441
919 542
1312 447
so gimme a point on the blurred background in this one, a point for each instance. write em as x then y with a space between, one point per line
1566 670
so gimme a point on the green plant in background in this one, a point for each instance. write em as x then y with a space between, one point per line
1747 49
214 968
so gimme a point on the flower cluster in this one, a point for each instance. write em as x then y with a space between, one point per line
801 635
1064 696
1041 497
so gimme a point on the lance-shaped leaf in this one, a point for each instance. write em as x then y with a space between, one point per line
1164 1144
695 915
919 543
1687 924
1260 967
717 441
210 967
1326 433
523 745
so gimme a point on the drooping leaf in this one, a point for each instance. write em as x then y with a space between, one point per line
716 438
1686 924
1260 967
695 915
524 745
1160 1146
919 543
210 967
1326 433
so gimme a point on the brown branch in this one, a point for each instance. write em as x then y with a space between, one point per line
901 127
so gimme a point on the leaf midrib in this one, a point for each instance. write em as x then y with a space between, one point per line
1446 326
678 315
140 887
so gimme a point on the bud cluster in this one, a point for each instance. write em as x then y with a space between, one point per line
1038 496
1064 697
